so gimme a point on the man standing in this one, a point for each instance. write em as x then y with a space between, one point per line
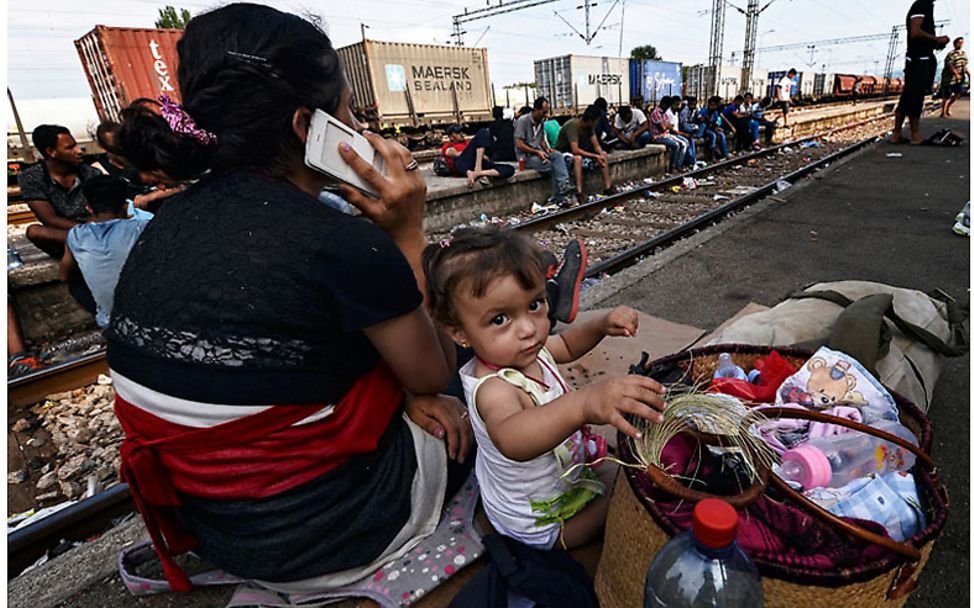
534 152
952 80
573 133
921 41
52 188
782 92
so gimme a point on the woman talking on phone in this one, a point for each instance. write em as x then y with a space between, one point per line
263 344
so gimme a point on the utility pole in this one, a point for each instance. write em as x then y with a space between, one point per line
894 39
589 34
28 151
622 26
491 11
716 44
754 10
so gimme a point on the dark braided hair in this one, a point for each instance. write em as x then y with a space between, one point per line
244 69
472 259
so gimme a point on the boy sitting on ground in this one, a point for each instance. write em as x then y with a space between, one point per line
100 247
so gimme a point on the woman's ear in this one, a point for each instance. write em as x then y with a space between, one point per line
301 123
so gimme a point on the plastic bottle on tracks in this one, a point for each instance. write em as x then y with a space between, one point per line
704 566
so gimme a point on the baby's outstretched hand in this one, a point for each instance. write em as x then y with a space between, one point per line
608 401
621 321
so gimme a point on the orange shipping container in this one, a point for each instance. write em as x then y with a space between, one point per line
123 64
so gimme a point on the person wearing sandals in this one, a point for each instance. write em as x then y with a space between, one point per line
472 158
921 68
570 137
276 371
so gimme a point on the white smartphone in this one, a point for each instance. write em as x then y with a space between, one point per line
321 151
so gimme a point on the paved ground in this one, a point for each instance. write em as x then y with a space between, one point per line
873 217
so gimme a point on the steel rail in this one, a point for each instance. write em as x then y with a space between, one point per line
593 207
631 256
73 374
74 523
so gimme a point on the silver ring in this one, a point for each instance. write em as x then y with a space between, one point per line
464 415
412 166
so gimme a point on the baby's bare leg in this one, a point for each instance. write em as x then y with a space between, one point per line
587 525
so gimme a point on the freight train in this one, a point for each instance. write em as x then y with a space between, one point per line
816 87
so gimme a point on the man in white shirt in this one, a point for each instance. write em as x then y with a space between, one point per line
673 120
782 92
631 127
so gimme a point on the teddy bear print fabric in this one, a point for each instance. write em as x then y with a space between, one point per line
832 380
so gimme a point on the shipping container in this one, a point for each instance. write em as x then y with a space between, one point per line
775 77
397 83
574 81
123 64
697 82
650 80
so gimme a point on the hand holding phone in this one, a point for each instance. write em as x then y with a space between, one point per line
321 153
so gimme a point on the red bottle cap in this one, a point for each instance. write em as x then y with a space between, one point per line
714 523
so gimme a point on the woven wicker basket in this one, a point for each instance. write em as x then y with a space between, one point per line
636 530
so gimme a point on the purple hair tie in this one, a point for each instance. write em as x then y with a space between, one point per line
182 123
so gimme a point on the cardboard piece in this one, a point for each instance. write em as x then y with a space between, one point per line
614 355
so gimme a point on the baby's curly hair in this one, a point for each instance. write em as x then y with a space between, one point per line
472 258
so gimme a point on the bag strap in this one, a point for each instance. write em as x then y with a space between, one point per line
959 341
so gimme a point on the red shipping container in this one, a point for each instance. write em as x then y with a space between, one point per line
123 64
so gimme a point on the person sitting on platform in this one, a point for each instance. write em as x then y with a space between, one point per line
573 133
502 133
756 109
746 133
52 188
660 133
673 118
632 128
690 122
535 153
713 132
470 159
604 134
100 247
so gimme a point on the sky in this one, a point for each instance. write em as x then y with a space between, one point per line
42 61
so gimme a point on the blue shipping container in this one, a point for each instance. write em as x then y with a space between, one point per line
774 77
654 79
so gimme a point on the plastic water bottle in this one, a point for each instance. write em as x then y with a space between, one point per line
838 459
704 566
727 369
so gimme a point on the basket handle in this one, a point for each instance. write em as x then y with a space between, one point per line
666 482
904 549
802 414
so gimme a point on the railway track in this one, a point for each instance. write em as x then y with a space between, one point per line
76 373
623 228
644 225
20 216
